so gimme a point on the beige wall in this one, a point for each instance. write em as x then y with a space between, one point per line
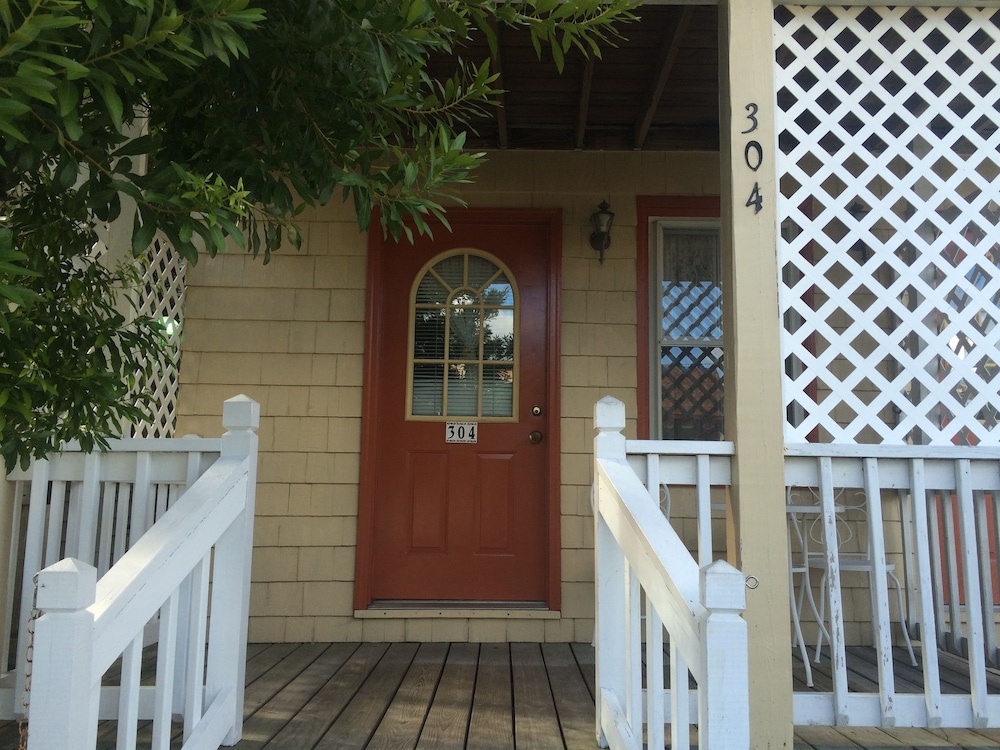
291 335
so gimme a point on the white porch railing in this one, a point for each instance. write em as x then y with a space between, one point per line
933 533
644 571
933 528
142 535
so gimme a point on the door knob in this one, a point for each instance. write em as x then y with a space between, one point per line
535 437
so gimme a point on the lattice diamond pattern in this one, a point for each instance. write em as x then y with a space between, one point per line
691 310
888 170
692 388
163 286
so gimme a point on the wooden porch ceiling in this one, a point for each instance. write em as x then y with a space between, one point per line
658 90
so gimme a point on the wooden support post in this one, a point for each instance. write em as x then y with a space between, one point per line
752 326
64 698
724 701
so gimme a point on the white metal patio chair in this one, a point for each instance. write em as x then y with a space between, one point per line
853 556
798 555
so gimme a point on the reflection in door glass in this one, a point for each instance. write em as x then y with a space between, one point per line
481 271
499 292
463 390
428 334
498 389
498 338
463 357
431 289
464 327
428 390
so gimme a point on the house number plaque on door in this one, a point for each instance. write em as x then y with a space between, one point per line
461 432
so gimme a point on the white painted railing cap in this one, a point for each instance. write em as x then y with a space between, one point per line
68 584
609 415
240 413
723 587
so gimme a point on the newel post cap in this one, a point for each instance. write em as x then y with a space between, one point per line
69 584
609 415
240 413
723 587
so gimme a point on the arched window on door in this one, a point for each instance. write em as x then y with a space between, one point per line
463 340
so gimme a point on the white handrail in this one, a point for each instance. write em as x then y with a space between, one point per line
640 556
86 623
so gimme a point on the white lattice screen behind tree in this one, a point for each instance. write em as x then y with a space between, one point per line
162 298
890 228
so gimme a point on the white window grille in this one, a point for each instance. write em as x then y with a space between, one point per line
888 166
162 298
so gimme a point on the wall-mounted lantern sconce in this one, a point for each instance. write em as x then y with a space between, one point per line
602 219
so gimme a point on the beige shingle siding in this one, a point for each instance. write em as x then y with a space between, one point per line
291 335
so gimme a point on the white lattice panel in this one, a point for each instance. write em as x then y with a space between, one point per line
162 292
888 165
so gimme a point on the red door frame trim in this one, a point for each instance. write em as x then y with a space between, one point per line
374 323
648 206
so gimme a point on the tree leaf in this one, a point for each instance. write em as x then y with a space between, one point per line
68 97
142 233
112 101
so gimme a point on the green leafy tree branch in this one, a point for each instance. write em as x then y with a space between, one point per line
213 123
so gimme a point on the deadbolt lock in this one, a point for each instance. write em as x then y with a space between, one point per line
536 411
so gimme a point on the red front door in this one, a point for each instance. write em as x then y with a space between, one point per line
458 501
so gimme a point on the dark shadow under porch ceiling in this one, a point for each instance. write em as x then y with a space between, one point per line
658 90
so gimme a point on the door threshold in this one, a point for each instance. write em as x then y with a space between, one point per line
416 608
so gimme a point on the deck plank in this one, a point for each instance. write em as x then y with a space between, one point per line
823 738
968 738
316 716
10 734
401 725
492 724
535 724
360 718
872 738
574 706
266 721
272 682
921 738
307 689
448 719
585 657
264 659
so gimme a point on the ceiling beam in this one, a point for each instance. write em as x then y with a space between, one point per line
672 37
583 103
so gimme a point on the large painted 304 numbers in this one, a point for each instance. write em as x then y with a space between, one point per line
753 156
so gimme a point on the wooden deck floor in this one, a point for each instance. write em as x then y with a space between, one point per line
478 696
